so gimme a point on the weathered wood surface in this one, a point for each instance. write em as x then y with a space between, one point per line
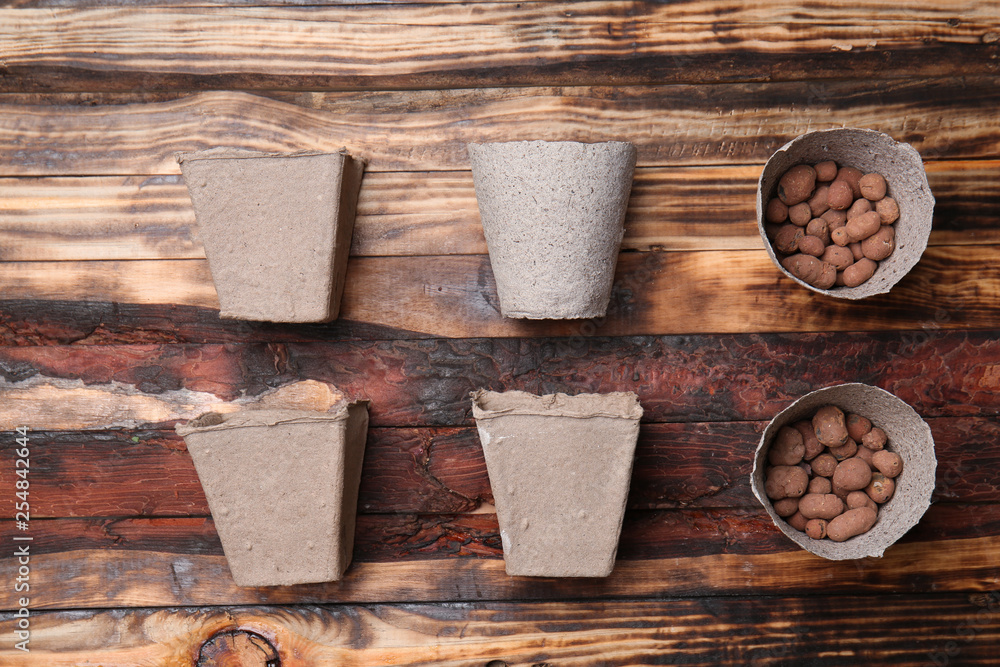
109 331
724 291
855 629
428 382
95 563
440 470
435 213
31 322
76 134
683 11
436 46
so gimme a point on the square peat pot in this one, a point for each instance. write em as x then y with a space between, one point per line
553 214
276 228
560 468
282 486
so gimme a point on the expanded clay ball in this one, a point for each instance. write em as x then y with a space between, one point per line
857 214
797 184
829 474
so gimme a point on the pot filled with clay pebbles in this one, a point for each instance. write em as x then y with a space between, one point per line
845 471
845 212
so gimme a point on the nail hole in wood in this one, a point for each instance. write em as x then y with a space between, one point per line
238 648
497 663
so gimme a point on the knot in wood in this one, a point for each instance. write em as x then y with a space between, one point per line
238 648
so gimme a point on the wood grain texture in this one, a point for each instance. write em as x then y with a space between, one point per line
441 470
913 629
33 322
684 11
436 46
109 329
435 213
237 647
392 538
88 563
729 124
724 291
427 382
95 323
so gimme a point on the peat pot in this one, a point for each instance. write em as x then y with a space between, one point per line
907 434
869 151
276 229
553 215
282 486
559 467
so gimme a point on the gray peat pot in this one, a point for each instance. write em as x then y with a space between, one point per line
560 468
869 151
553 214
276 228
282 486
908 435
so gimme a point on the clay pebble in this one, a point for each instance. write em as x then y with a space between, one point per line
843 208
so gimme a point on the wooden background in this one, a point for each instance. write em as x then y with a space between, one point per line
109 328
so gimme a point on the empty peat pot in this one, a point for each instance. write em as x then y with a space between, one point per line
907 435
282 486
553 214
869 151
559 467
276 228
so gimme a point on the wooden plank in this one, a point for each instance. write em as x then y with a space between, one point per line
88 563
435 213
186 282
437 46
431 12
80 322
111 218
685 11
427 382
440 470
77 134
95 323
654 293
912 629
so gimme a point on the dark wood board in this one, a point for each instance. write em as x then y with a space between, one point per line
448 46
101 563
955 629
74 134
440 470
428 382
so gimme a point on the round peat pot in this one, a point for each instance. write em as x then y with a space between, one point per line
907 435
869 151
553 215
